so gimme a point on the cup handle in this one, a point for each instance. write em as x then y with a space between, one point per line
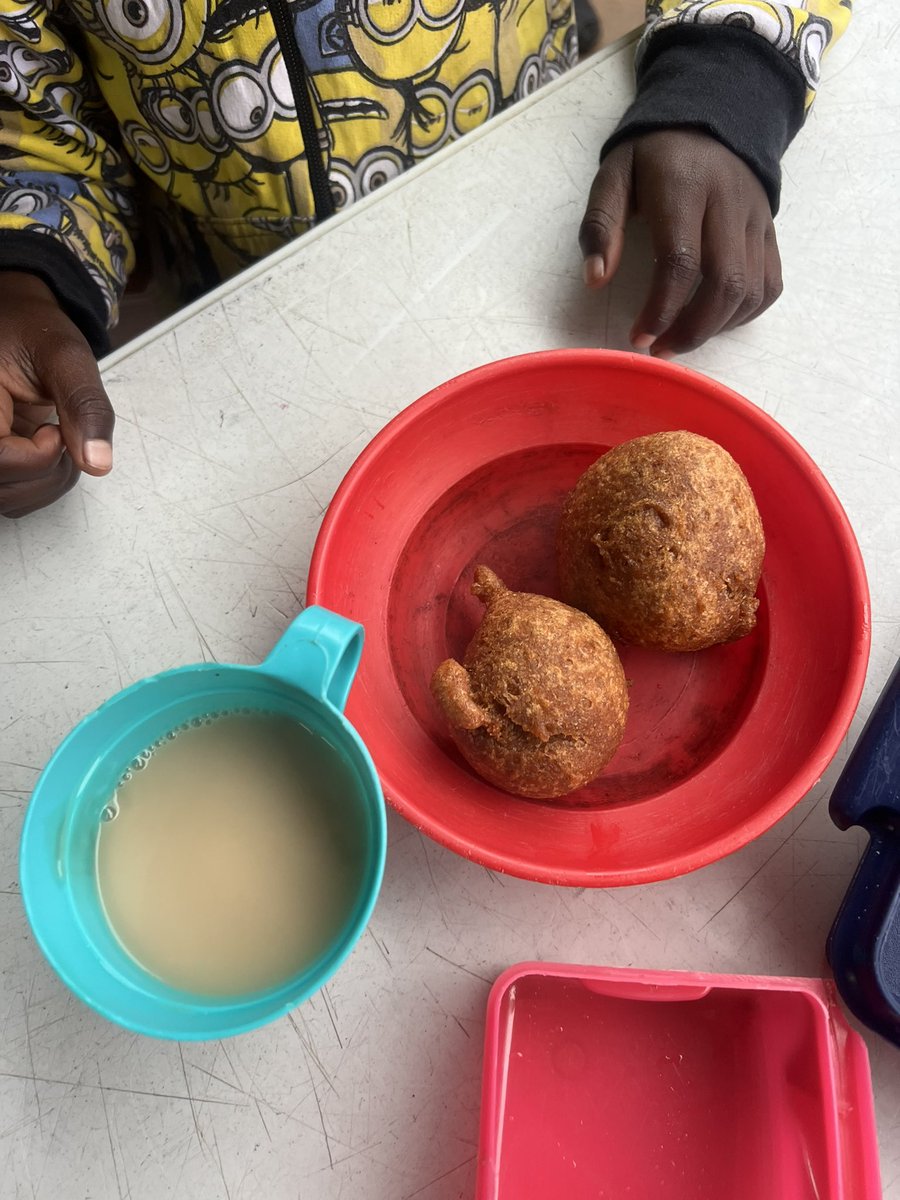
319 652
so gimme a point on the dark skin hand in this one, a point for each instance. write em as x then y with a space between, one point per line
716 267
716 261
47 370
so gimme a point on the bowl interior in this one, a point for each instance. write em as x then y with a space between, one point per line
718 744
683 707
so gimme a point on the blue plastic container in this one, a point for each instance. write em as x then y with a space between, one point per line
864 945
307 677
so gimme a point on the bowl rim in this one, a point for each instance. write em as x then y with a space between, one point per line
808 773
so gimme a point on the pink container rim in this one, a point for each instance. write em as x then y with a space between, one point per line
850 1129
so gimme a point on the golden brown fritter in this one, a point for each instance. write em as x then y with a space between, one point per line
538 705
662 543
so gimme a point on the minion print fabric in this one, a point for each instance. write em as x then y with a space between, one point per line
802 32
198 97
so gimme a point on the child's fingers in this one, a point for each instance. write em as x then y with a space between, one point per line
23 459
729 282
70 377
27 496
751 305
29 418
764 273
46 363
676 230
602 232
773 282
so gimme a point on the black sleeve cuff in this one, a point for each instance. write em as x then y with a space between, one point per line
727 82
79 297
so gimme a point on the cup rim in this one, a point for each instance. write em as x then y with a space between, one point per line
53 919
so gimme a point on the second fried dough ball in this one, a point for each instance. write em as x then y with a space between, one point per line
661 542
538 705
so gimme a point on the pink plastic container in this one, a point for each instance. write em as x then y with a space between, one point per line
604 1084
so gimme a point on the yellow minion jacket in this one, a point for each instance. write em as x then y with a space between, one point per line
254 118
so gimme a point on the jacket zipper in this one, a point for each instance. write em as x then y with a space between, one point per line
299 81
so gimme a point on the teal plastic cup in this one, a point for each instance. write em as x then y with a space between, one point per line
306 677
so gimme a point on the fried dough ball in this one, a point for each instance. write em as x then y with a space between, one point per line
661 543
538 705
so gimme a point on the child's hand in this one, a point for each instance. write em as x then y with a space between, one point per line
716 258
46 369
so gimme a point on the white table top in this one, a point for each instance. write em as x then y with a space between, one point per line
236 424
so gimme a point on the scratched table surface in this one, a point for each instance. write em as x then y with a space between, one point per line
236 423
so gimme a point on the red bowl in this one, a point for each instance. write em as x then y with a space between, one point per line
719 745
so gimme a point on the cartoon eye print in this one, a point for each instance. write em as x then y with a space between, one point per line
23 23
771 20
343 185
274 71
145 148
430 127
118 200
136 20
473 103
553 63
374 170
182 115
209 131
390 21
812 45
246 98
149 31
385 21
22 69
377 168
529 77
549 64
172 112
446 114
273 76
10 83
67 104
557 10
555 59
570 48
46 226
22 201
437 14
241 103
